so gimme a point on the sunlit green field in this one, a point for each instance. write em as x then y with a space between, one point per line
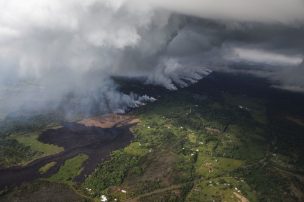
46 167
71 168
31 140
19 144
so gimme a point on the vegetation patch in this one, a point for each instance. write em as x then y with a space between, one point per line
71 168
14 153
136 149
110 173
216 166
46 167
43 191
221 189
18 139
31 140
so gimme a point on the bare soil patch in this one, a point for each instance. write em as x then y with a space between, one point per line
213 130
240 197
109 121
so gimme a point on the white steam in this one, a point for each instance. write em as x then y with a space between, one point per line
54 51
263 57
75 46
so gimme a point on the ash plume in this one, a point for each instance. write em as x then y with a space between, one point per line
55 52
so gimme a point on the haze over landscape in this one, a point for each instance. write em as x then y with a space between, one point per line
190 73
52 48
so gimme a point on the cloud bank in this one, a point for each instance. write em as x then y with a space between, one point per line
272 51
270 11
54 52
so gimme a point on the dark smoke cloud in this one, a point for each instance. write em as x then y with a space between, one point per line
272 51
270 11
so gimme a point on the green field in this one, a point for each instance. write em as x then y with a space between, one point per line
31 141
71 168
46 167
23 148
19 143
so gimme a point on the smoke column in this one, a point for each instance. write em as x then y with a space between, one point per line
54 52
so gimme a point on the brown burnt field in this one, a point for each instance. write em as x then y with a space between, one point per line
109 121
96 137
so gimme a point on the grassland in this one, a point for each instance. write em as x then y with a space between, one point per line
14 153
18 150
71 168
46 167
30 140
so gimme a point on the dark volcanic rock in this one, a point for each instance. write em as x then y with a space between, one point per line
76 139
